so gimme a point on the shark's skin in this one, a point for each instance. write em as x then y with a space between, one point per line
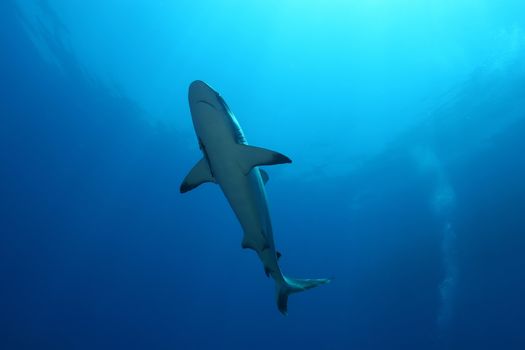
229 162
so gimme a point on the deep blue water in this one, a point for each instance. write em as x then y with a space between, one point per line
407 131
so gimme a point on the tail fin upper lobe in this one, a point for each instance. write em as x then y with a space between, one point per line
294 285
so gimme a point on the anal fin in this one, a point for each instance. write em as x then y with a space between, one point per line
267 271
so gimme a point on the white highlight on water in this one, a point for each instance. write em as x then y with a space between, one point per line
443 202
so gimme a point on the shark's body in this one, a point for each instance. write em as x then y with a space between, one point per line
229 162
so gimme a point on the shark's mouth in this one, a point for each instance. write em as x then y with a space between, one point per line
207 103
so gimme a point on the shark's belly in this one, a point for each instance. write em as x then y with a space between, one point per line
246 196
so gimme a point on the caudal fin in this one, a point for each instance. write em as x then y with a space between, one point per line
294 285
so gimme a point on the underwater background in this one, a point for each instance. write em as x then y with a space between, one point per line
406 124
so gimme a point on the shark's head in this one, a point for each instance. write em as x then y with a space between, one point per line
201 94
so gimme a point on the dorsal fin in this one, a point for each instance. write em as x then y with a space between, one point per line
250 156
199 174
264 176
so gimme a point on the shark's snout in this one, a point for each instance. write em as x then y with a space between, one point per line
199 91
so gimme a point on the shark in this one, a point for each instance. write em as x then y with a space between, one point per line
235 166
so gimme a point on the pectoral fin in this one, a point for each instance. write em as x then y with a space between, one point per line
199 174
250 156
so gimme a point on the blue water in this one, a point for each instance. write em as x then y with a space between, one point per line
406 125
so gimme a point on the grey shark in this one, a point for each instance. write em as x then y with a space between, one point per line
231 163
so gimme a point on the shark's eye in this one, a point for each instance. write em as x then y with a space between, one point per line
223 104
